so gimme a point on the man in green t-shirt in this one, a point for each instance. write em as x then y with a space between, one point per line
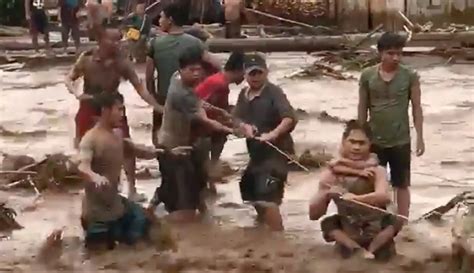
164 54
385 91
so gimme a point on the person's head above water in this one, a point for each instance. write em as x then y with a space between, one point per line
110 108
190 66
390 46
109 42
356 140
173 15
234 67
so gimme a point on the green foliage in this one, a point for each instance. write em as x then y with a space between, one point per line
12 12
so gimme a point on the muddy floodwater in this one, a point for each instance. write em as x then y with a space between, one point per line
36 106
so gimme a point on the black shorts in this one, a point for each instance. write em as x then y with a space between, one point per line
399 159
265 180
182 180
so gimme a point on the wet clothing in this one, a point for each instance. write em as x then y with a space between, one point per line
399 159
267 171
389 119
132 226
215 90
165 52
100 76
39 20
182 180
361 224
183 177
69 20
388 105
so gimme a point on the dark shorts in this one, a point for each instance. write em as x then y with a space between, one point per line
217 144
399 159
182 180
264 180
86 118
39 21
128 229
361 235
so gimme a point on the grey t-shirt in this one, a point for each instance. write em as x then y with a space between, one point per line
181 108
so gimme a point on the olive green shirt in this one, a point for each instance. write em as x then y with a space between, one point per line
165 52
388 105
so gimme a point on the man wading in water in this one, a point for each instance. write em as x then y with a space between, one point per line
264 115
184 177
103 69
356 178
164 54
107 217
385 90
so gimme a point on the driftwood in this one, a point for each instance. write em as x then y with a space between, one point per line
306 44
463 239
435 214
7 219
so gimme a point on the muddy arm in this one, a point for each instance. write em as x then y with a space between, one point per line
149 75
363 105
143 151
76 72
202 117
380 197
318 204
86 153
417 111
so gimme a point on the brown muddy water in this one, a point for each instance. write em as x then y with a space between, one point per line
36 105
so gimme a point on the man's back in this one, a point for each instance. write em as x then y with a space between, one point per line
388 105
165 51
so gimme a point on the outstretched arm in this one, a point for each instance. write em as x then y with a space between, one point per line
131 75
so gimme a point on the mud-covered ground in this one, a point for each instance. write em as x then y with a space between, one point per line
36 107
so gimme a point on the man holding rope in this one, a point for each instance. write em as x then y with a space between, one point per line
360 190
266 118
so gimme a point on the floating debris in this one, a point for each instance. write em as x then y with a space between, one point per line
315 160
7 219
317 70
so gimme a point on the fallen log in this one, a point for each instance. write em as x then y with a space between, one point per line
305 43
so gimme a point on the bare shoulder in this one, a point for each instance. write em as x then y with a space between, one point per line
327 178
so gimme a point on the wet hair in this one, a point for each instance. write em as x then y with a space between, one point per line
353 124
189 57
178 13
106 100
390 40
235 62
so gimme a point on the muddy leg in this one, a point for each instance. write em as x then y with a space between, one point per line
34 41
65 36
343 239
381 239
272 218
403 201
130 166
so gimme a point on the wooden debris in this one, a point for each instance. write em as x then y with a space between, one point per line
314 160
53 172
318 69
437 213
7 219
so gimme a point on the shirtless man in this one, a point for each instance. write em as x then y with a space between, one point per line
355 227
102 70
107 217
234 12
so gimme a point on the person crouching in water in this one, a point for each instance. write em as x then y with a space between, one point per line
184 177
350 181
264 116
107 217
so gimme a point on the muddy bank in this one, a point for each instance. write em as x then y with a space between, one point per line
228 241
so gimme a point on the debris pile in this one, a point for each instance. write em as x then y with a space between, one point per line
315 159
317 70
55 171
299 10
7 218
463 236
